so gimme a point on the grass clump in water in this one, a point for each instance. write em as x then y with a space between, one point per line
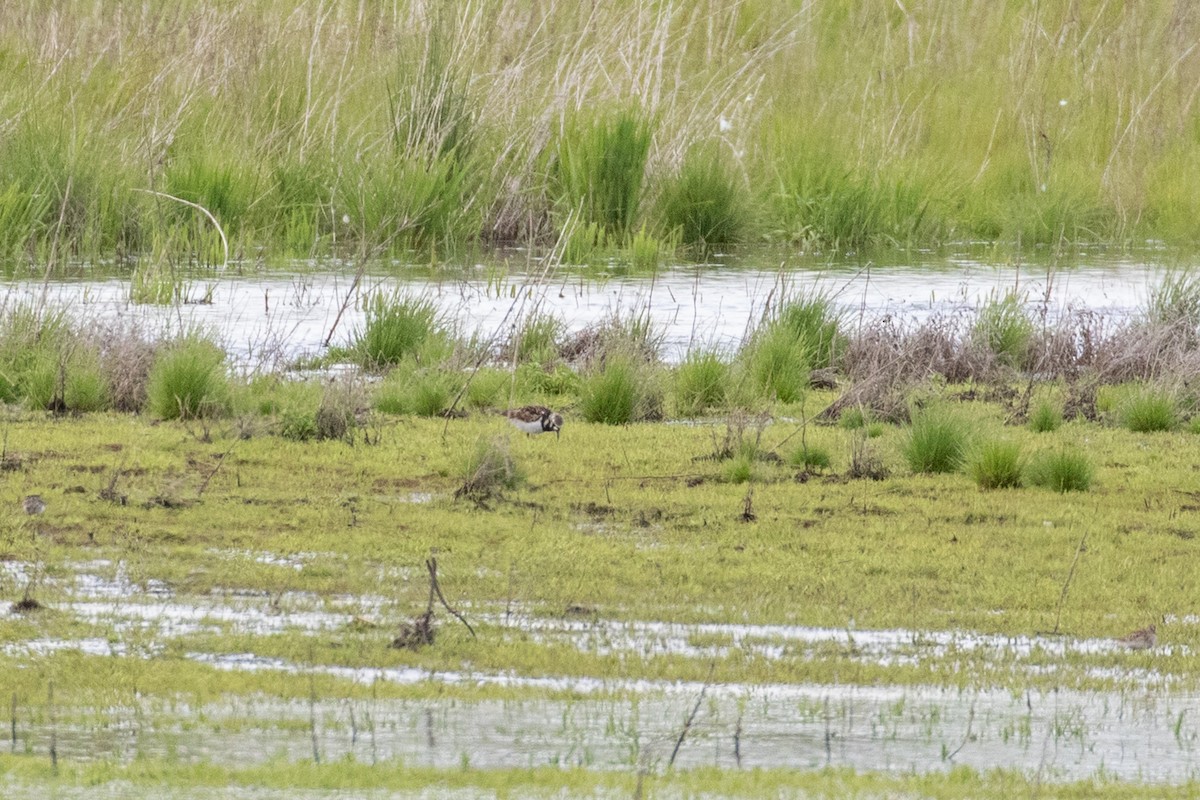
1150 410
997 464
396 328
188 381
937 442
1067 470
704 204
601 163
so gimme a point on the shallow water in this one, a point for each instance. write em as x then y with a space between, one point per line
1063 735
269 319
1145 731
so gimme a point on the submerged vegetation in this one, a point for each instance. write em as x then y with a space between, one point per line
356 130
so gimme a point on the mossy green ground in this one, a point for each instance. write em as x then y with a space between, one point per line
634 523
396 780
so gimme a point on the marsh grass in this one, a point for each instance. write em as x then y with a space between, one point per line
404 127
705 204
1175 301
396 328
486 388
1046 416
802 334
937 441
632 334
188 381
997 464
1063 470
742 468
488 469
599 168
1149 410
1003 326
811 457
612 394
537 339
778 365
154 281
412 390
700 383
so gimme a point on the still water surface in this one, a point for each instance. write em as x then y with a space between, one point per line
270 318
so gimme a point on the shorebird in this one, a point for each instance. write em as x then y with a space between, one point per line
1141 639
33 504
535 419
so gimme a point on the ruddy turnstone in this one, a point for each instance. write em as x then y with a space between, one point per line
535 419
33 504
1142 639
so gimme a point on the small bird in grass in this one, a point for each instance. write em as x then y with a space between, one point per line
1142 639
33 504
535 419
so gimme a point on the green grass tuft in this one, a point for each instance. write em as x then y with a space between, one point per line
188 381
610 395
601 164
1150 410
814 458
488 468
1067 470
704 204
1046 416
700 383
997 465
937 442
1004 328
396 328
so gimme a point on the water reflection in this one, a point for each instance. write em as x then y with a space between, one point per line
269 319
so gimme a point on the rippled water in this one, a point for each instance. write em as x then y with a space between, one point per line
270 318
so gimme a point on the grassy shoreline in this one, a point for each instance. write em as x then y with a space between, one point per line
348 131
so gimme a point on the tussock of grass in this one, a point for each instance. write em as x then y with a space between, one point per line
997 464
188 381
537 339
705 203
1046 416
489 469
700 383
396 328
937 442
1150 410
1004 328
811 457
1065 470
615 394
600 166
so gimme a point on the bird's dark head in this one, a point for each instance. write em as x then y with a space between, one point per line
552 422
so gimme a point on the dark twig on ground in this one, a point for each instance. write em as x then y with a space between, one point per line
1062 598
691 718
421 630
